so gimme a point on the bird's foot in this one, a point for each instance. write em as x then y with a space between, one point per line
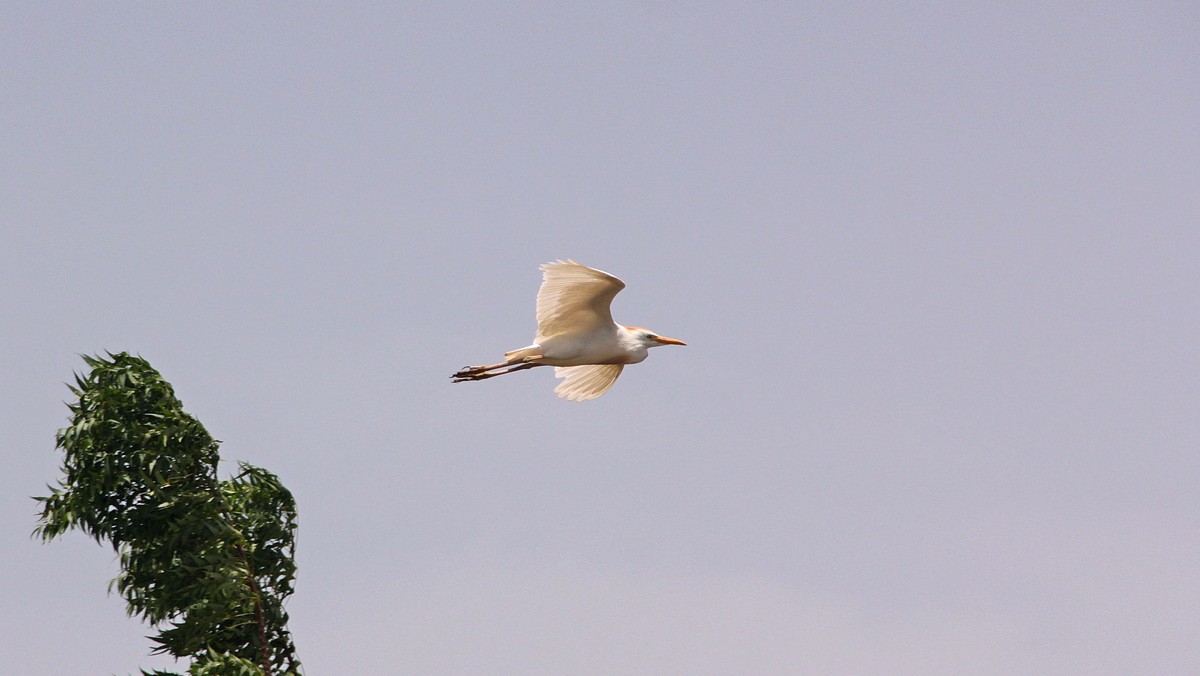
472 377
477 372
467 371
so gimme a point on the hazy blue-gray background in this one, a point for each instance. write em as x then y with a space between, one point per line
938 266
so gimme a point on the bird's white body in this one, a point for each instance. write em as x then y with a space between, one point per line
614 344
576 334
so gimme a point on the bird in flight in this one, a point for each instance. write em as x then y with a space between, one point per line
576 334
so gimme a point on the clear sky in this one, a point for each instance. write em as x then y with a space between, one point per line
937 264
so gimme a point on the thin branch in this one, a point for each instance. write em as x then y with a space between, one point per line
255 591
258 611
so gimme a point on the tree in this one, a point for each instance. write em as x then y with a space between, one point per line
208 563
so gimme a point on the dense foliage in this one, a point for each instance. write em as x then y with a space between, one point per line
208 563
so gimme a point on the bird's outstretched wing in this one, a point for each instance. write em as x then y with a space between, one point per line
574 298
586 382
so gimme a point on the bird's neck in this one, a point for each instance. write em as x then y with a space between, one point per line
632 345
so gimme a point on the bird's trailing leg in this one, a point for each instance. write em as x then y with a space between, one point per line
469 374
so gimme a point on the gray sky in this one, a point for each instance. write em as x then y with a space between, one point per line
938 266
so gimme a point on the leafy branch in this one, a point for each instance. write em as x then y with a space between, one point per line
208 563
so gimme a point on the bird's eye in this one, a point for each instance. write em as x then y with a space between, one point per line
651 336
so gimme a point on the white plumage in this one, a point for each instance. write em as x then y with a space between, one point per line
574 299
586 382
576 334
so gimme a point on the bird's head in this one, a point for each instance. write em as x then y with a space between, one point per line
648 338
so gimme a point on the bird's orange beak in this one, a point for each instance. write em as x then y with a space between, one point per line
669 341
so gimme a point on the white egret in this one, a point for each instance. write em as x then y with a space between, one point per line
576 334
